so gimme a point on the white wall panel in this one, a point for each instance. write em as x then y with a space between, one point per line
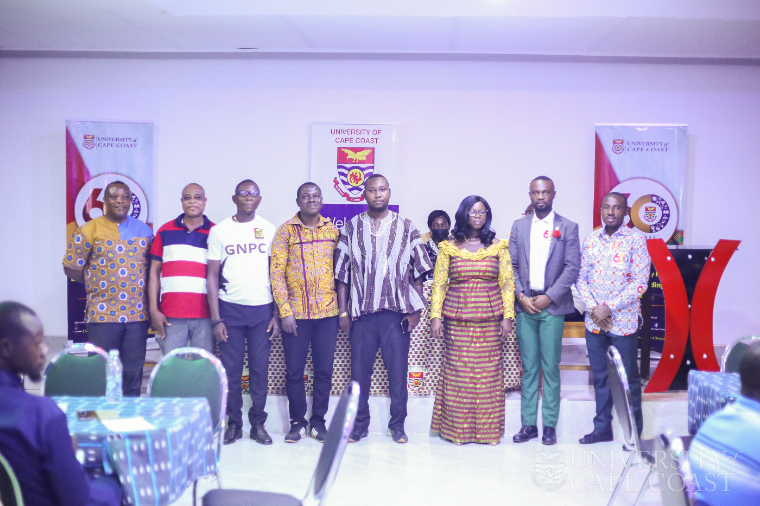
466 127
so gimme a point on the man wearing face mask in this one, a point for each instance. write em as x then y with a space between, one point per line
439 224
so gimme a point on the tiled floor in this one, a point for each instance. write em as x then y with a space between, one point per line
429 471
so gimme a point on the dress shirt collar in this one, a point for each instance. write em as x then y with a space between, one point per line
295 220
549 218
9 379
622 231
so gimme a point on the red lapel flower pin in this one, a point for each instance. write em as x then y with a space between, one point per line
556 233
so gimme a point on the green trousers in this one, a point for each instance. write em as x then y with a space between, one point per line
539 337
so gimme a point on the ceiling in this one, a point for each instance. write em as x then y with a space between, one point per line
701 29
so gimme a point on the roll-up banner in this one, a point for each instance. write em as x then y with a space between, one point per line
343 156
98 153
647 163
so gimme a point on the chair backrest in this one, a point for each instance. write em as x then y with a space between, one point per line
335 444
672 465
81 376
192 372
621 398
729 362
10 491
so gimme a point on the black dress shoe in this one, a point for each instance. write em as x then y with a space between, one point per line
527 432
232 434
550 436
260 435
357 434
595 437
399 436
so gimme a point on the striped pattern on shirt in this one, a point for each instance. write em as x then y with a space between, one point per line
183 270
380 267
473 292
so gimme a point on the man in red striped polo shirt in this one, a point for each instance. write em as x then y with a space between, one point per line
178 273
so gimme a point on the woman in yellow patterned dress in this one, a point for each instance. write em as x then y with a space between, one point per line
473 290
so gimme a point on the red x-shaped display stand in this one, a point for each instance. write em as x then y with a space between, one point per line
682 320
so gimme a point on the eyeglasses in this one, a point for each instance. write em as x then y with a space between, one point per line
475 214
246 193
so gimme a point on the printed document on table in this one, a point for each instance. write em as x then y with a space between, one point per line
133 424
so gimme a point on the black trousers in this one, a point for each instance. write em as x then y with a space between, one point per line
130 339
243 322
380 330
628 347
321 334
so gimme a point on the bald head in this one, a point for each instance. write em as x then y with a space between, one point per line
194 187
193 201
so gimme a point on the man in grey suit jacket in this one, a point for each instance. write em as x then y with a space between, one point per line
546 258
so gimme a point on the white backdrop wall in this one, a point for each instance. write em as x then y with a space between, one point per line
466 127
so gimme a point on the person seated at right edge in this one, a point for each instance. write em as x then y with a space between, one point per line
34 434
725 453
614 274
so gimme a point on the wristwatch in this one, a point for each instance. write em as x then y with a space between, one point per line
342 315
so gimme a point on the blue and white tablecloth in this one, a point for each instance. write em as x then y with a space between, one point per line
709 392
154 466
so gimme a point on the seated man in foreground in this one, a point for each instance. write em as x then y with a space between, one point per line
725 453
34 436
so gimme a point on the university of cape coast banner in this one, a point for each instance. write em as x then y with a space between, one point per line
98 153
646 163
343 156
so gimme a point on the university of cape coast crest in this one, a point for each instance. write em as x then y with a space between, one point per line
548 471
355 165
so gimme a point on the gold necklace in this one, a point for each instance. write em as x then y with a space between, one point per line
470 242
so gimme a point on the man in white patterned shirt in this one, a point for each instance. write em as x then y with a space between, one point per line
614 272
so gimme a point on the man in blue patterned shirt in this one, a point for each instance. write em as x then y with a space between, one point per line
614 272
